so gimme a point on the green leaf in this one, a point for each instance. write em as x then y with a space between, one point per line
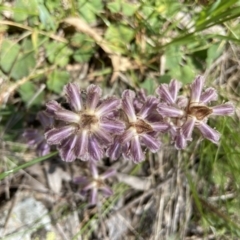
114 7
85 47
187 72
213 52
25 61
173 57
45 17
9 53
149 85
58 53
88 9
129 9
56 80
28 92
119 35
24 9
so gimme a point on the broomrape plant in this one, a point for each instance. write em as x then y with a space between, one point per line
96 127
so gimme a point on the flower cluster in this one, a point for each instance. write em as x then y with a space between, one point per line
96 127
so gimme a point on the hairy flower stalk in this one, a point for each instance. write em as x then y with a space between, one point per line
142 127
87 129
95 183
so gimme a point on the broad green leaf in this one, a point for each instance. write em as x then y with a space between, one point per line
213 52
88 9
25 61
119 35
114 7
187 72
9 53
56 80
24 9
164 78
28 92
149 84
58 53
173 57
129 9
85 47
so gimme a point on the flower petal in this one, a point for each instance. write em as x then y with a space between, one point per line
103 137
67 116
196 89
81 144
164 93
93 96
46 120
106 191
93 169
109 173
180 141
174 87
136 150
187 128
127 135
94 149
108 105
151 142
223 109
168 111
66 151
148 106
33 137
93 196
159 126
112 125
56 135
43 148
74 96
209 95
127 105
209 132
114 151
53 106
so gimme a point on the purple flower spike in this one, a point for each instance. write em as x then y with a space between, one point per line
95 183
89 128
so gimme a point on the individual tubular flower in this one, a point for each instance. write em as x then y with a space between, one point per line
95 183
87 128
142 127
35 138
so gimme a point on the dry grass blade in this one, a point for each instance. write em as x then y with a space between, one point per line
119 63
